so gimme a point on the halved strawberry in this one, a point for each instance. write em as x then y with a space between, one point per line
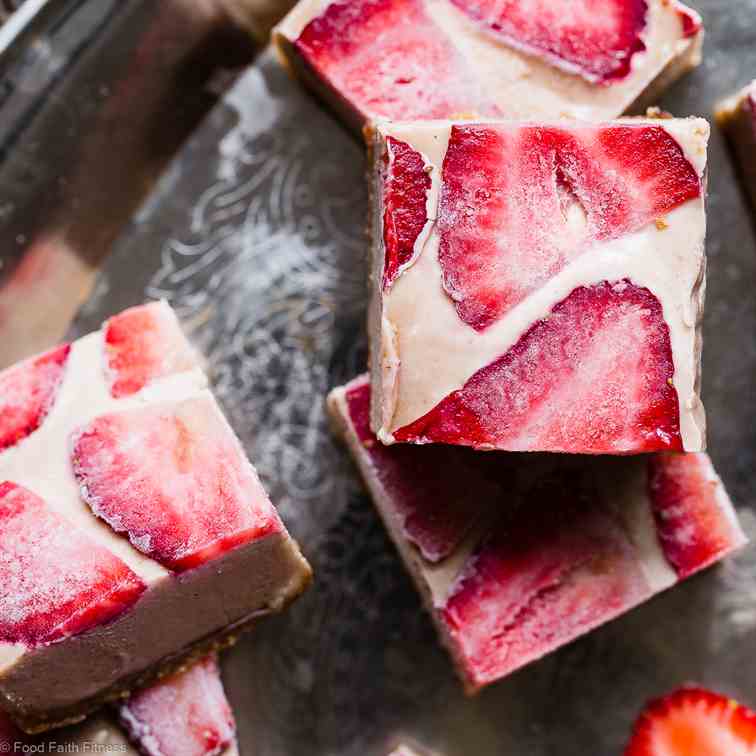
595 377
694 530
142 344
27 393
690 19
596 40
54 580
389 59
406 185
173 477
518 204
439 491
183 715
694 721
549 572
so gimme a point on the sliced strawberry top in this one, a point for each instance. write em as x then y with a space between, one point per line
27 393
595 377
183 715
694 530
519 204
549 572
389 59
691 21
438 492
694 721
405 195
174 478
596 40
142 344
54 580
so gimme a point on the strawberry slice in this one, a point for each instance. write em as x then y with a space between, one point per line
55 581
142 344
594 377
694 721
183 715
439 491
691 21
546 575
27 394
390 59
539 197
694 530
594 40
173 477
406 185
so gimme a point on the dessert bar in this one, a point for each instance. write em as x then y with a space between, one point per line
539 287
186 714
516 555
134 532
423 59
737 116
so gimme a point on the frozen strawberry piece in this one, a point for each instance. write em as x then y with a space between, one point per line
405 196
543 577
377 54
183 715
691 21
56 582
142 344
694 529
595 377
595 40
27 394
174 478
518 205
440 491
693 721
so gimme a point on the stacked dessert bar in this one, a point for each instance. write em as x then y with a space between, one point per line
531 429
135 535
737 116
186 714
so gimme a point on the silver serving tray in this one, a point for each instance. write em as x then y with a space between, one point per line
256 233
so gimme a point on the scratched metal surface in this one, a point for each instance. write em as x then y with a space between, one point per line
256 235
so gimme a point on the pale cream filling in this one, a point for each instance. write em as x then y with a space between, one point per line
438 352
42 461
527 86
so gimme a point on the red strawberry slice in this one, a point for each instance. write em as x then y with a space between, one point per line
27 394
694 722
557 568
438 492
519 204
694 530
596 40
691 21
174 478
389 59
54 580
183 715
405 195
595 377
142 344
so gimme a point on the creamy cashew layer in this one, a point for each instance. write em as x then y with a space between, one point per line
421 351
527 86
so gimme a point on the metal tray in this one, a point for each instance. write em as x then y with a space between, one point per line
256 233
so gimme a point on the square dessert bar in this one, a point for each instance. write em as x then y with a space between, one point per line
134 532
539 287
737 116
186 714
542 59
516 555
